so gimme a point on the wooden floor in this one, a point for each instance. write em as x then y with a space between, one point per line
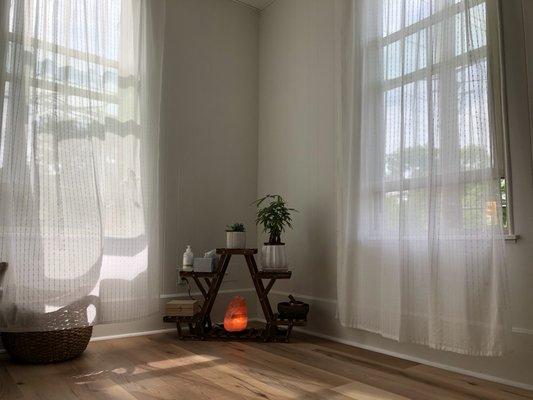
160 367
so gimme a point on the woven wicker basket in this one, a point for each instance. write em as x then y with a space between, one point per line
57 341
46 347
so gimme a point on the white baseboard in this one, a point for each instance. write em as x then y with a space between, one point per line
124 335
305 297
166 296
132 334
514 329
524 331
221 291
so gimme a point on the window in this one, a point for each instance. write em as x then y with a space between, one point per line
444 113
79 99
67 70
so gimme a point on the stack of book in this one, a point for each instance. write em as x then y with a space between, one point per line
182 308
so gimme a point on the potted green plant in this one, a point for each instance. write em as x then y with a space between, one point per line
274 215
236 236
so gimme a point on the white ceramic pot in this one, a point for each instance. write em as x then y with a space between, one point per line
235 240
274 257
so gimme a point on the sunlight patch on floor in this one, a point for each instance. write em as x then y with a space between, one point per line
182 361
360 391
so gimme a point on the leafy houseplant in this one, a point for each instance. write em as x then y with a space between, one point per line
274 215
235 236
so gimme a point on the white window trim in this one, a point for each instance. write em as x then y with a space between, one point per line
511 235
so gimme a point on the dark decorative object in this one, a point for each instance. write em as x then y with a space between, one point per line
46 347
293 309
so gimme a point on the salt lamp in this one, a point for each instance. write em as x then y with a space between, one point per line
236 317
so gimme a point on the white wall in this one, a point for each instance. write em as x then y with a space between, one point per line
296 133
210 126
209 139
296 159
520 255
528 26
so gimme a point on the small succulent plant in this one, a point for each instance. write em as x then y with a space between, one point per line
236 227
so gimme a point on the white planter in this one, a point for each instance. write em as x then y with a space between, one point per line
274 257
236 240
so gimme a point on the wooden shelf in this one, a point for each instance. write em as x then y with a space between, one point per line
288 322
274 275
200 326
197 274
260 274
261 334
219 333
244 252
175 318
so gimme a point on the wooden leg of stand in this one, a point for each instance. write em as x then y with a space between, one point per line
270 328
289 331
269 286
213 290
180 332
200 286
260 289
200 332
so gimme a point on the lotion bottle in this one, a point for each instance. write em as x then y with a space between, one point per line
188 259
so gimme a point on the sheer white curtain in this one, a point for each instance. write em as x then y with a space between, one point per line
80 87
421 245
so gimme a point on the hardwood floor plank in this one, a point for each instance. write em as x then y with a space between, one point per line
161 367
8 387
377 358
210 368
274 379
470 385
171 373
438 378
397 381
104 389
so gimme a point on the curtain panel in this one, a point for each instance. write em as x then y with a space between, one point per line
419 142
80 85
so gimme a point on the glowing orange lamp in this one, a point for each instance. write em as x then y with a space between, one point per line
236 318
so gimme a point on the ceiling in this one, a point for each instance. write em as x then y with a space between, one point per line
259 4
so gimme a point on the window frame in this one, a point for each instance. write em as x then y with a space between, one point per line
498 95
510 234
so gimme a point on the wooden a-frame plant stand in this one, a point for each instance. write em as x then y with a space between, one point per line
200 326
